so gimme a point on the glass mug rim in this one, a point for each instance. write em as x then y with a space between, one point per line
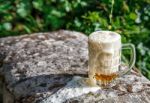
105 32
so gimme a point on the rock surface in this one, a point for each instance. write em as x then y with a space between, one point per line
36 66
1 90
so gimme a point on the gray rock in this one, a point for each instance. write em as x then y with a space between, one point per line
1 90
36 66
42 62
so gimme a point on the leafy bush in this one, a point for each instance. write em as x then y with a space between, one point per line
130 18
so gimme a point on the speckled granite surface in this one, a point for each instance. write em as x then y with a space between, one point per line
37 66
1 90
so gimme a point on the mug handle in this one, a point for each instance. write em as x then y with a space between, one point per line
132 60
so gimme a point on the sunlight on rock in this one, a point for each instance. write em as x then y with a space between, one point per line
74 88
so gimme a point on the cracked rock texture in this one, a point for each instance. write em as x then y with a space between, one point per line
36 66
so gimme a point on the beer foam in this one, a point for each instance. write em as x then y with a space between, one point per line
104 36
78 86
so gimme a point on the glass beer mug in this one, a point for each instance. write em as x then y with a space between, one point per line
105 57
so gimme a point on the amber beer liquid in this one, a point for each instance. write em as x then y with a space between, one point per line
104 57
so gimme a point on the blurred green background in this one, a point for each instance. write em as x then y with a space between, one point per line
130 18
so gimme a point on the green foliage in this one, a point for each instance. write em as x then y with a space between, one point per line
130 18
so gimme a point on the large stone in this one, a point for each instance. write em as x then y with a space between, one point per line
37 66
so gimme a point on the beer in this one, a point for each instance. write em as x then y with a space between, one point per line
105 79
105 57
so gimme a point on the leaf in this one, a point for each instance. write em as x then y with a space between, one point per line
38 4
7 26
56 13
125 6
23 8
133 16
5 7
